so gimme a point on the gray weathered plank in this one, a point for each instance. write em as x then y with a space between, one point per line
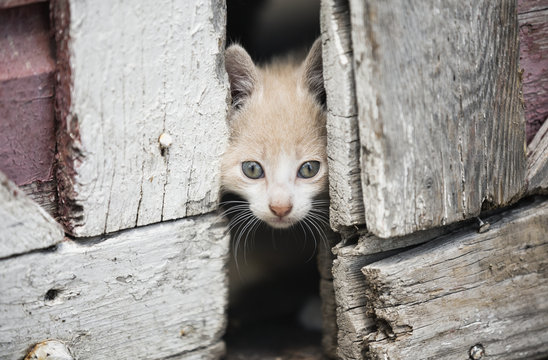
343 145
438 300
537 161
24 225
349 285
440 120
128 73
144 293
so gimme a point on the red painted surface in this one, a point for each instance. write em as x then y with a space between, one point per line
27 126
525 6
533 31
4 4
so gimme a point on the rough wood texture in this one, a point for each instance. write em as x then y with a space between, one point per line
49 350
343 145
537 161
27 67
130 72
533 32
352 254
44 194
24 226
440 119
440 299
145 293
525 6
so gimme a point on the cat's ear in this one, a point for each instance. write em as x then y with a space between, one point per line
313 72
242 74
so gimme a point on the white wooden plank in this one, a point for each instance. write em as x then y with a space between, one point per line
537 161
151 292
440 120
24 225
343 145
130 72
488 289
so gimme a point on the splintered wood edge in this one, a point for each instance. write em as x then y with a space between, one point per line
397 307
537 161
25 225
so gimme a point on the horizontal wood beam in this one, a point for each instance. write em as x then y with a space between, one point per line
147 293
487 289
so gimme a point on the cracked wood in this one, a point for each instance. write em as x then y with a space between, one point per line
24 225
441 298
343 144
153 292
128 73
441 124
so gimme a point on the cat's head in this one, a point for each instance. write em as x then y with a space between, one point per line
276 159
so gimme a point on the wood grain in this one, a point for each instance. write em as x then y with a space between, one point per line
537 161
355 251
527 6
438 300
146 293
24 226
343 146
129 72
533 33
440 119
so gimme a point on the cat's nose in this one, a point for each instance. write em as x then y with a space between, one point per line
280 211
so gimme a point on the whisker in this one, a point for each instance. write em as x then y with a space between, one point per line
304 221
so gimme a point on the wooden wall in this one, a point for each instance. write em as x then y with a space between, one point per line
136 126
428 96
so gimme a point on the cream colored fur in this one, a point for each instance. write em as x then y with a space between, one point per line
279 124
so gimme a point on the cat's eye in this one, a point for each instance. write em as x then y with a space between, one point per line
252 169
309 169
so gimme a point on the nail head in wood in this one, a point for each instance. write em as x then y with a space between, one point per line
483 226
49 350
165 140
476 352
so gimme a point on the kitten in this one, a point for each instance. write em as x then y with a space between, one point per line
276 158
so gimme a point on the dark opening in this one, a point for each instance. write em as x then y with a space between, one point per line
274 304
267 28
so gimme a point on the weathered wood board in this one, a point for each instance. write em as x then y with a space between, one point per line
343 145
533 31
24 225
537 162
27 69
440 118
440 299
353 253
128 73
145 293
